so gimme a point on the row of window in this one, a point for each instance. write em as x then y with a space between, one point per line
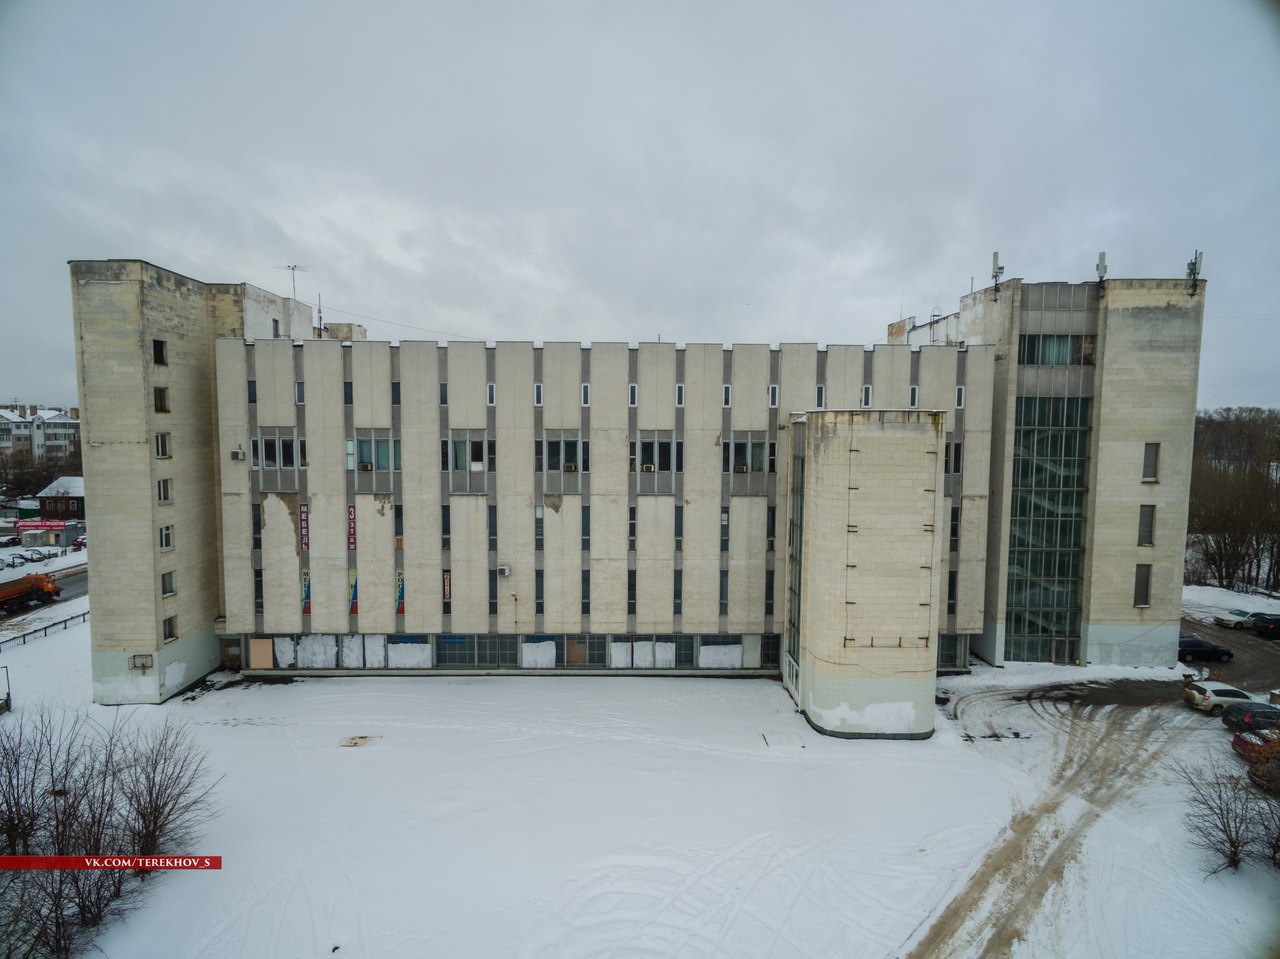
633 395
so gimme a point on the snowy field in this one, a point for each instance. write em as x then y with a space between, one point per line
637 817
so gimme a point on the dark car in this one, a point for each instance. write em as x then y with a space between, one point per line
11 541
1250 717
1268 626
1189 648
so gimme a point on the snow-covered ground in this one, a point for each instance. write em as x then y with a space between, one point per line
622 816
57 561
1202 602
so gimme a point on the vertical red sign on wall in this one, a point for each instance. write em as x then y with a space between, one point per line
304 526
351 526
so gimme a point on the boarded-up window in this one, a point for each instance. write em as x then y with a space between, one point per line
1142 585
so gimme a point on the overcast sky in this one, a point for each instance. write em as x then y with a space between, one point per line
736 172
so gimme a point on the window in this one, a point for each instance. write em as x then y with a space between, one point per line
399 522
586 528
348 393
822 396
537 394
258 602
913 397
446 604
164 491
395 392
770 527
586 592
299 392
1055 349
724 529
493 592
728 395
161 399
168 583
1142 585
747 452
768 592
255 524
586 394
444 394
631 528
253 392
866 396
490 394
166 537
955 527
679 528
632 394
445 536
951 457
959 397
631 592
493 527
656 452
538 540
677 593
773 396
951 592
171 628
159 353
1151 463
562 452
537 591
1146 525
162 446
679 394
724 592
275 328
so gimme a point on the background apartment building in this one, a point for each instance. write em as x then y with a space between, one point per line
838 516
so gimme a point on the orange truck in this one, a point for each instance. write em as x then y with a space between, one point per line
17 594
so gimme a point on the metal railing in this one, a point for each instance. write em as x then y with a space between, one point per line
44 630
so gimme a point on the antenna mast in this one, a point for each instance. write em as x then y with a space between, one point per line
293 269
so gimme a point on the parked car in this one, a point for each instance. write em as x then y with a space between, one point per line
1190 647
1235 619
1248 717
1268 627
1213 697
80 542
11 541
1266 776
36 556
1261 747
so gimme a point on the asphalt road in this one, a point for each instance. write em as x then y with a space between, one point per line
73 586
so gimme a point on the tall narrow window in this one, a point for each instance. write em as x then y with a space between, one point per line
679 528
959 397
822 396
537 394
399 521
586 528
586 394
253 392
395 392
1151 463
632 394
164 491
168 583
768 592
1146 525
348 393
444 394
770 527
679 394
255 524
913 397
493 528
171 622
951 592
631 528
724 592
1142 584
537 591
166 537
728 395
773 396
866 396
159 353
162 446
161 396
537 528
631 592
955 527
677 593
491 394
445 536
724 529
493 592
586 592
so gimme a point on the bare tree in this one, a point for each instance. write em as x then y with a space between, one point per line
1266 829
1220 814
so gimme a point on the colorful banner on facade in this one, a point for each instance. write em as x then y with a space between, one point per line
306 590
41 524
353 592
304 525
447 578
399 592
351 526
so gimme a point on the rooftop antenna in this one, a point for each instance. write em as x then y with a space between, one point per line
1194 266
997 271
320 315
1102 272
293 269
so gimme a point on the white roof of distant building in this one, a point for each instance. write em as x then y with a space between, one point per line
64 486
11 416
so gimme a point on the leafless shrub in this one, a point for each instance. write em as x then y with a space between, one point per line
1266 830
1220 813
72 787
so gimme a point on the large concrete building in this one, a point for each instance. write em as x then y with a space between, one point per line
1010 480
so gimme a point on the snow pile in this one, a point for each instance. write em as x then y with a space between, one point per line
1201 603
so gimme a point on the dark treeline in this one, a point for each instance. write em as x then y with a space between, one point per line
21 475
1234 523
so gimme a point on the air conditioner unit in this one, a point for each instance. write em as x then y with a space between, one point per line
739 469
571 467
237 454
648 468
504 570
366 467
